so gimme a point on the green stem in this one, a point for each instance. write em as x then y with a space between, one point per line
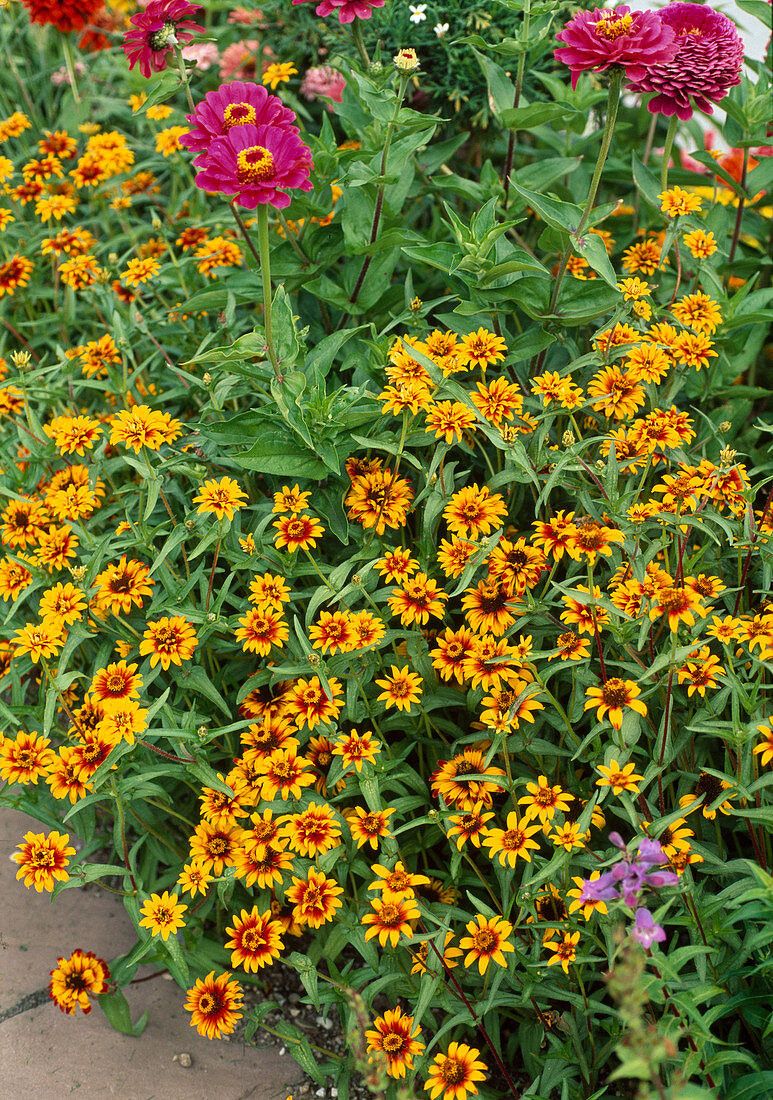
70 63
381 187
184 76
122 829
359 43
613 103
517 98
667 151
265 271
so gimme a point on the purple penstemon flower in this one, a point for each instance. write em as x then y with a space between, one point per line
627 880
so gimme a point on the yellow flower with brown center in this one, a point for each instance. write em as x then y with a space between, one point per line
314 899
456 1073
395 1036
563 951
610 698
220 498
255 939
368 826
542 801
213 1004
73 979
43 859
698 311
162 915
486 942
391 918
401 688
168 641
619 777
675 202
515 840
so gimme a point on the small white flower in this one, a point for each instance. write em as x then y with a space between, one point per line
440 29
417 12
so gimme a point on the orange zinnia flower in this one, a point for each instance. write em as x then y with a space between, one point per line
395 1037
212 1003
255 939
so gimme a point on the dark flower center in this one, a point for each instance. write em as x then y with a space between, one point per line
162 39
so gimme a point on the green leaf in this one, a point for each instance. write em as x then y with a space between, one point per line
116 1009
178 967
250 346
591 248
195 679
307 972
320 358
276 451
645 181
554 212
536 114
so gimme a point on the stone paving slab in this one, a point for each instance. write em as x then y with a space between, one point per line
46 1055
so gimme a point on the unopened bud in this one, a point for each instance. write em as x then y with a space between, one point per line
207 378
112 258
600 464
356 578
314 660
725 426
189 524
375 68
726 456
416 304
567 438
202 732
77 572
406 61
211 617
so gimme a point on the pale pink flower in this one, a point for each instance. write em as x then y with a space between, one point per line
323 81
203 53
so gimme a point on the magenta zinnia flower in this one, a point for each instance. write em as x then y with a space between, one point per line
706 65
615 36
232 105
257 164
162 25
347 10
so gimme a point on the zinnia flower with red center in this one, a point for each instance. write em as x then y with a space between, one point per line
163 25
233 105
257 164
706 64
347 10
65 15
597 39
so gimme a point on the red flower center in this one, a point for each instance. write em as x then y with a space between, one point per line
255 165
239 114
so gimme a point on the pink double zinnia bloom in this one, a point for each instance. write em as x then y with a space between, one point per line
236 104
635 40
706 65
163 25
346 10
248 146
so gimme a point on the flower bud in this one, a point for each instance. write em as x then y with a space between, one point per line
406 61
